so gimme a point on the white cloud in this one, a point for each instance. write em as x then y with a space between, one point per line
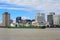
46 5
14 20
21 2
12 8
24 17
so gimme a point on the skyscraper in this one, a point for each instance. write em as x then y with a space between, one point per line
18 20
50 19
56 20
40 18
59 18
6 19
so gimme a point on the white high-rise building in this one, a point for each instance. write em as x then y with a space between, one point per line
56 19
53 19
40 19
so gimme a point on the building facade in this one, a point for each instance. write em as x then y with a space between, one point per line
50 19
6 19
56 20
53 19
40 19
18 20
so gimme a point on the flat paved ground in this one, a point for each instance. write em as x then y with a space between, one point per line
30 34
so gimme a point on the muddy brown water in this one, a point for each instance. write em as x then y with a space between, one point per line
30 34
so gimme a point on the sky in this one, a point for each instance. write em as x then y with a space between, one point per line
28 8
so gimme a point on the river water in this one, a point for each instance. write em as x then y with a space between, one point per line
30 34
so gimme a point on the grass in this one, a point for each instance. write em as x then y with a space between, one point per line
29 27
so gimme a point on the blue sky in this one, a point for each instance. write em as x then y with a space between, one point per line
28 8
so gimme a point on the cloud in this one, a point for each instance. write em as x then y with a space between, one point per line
12 8
46 5
24 17
21 2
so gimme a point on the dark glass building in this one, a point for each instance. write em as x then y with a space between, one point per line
50 19
18 20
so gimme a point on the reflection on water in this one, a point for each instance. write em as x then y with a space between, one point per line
30 34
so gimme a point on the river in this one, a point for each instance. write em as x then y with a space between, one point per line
30 34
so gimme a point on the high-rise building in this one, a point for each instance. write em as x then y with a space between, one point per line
18 20
6 19
56 20
59 18
52 13
53 19
11 21
50 19
40 18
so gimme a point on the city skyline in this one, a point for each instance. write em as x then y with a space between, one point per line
28 8
24 17
52 20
